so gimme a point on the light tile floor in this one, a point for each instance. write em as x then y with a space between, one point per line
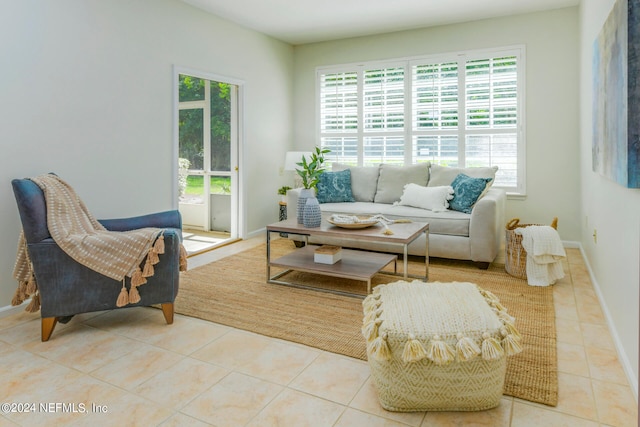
127 367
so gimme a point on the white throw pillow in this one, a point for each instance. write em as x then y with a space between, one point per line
432 198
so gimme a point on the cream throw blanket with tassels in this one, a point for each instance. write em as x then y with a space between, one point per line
115 254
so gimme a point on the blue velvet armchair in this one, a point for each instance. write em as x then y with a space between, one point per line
67 288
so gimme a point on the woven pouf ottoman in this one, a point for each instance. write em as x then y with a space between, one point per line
437 346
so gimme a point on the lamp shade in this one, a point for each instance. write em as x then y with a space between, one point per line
293 157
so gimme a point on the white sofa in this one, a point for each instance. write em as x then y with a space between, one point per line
453 234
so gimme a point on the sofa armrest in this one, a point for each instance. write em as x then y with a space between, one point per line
486 225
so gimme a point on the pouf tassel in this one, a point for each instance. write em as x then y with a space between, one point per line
376 291
413 350
440 352
466 348
498 306
511 345
488 295
379 348
372 315
371 303
511 329
491 348
123 297
505 317
370 330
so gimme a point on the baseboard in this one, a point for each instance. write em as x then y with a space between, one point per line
572 244
622 355
8 310
257 233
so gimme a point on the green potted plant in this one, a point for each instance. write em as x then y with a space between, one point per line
312 169
310 174
282 191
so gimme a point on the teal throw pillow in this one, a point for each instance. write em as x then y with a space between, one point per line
335 187
466 191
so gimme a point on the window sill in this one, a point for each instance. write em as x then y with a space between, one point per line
516 196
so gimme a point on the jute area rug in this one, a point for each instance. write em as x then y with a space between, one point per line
234 292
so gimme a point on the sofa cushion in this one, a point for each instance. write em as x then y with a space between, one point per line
335 187
467 190
392 180
432 198
442 175
364 180
451 223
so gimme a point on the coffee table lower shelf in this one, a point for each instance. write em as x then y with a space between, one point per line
356 265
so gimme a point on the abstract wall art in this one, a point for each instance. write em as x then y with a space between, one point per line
616 96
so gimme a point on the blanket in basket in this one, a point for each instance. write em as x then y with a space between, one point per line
544 254
115 254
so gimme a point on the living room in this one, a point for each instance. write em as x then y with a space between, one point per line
88 93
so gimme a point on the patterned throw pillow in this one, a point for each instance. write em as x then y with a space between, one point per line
466 191
335 187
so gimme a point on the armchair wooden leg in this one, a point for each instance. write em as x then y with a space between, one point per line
48 324
167 310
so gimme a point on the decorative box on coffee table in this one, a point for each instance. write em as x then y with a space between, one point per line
437 346
327 254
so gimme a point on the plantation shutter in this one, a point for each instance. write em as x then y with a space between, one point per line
339 114
384 115
491 116
459 109
435 113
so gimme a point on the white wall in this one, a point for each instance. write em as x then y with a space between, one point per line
551 40
613 210
86 91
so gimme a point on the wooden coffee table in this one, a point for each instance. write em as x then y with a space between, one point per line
355 264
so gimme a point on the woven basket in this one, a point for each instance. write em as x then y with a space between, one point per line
515 255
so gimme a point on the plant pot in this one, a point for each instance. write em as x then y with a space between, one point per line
305 193
312 216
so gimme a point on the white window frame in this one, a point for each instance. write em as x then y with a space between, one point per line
461 131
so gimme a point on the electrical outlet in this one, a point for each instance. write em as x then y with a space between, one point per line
595 236
281 170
